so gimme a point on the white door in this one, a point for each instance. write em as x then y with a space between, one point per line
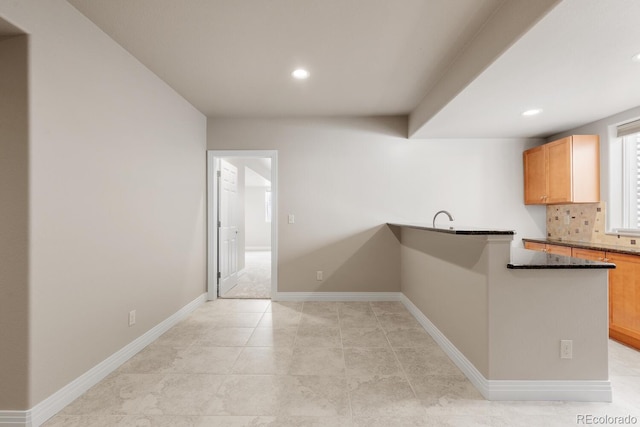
227 228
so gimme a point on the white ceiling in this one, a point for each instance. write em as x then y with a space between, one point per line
458 68
575 64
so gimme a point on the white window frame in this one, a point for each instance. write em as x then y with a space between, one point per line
621 175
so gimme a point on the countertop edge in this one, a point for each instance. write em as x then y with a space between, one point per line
602 266
526 259
462 232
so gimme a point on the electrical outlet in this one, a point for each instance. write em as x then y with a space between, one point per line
132 317
567 219
292 219
319 275
566 349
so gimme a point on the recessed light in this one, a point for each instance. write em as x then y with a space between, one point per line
300 74
532 112
636 57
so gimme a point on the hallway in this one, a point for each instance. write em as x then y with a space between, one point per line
255 279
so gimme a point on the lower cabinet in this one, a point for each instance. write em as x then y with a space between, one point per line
624 293
589 254
624 299
552 249
535 246
559 250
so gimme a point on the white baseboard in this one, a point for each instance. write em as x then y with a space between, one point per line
57 401
336 296
15 418
575 390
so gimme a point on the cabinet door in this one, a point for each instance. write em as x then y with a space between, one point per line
559 250
535 175
585 154
560 167
535 246
589 254
624 298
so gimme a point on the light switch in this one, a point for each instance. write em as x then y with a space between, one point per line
292 219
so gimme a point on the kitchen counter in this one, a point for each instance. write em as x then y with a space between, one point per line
503 326
519 259
527 259
466 231
587 245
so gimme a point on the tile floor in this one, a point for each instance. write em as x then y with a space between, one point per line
256 363
254 280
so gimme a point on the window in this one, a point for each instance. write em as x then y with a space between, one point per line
625 179
630 181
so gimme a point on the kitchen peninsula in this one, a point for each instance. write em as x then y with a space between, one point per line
501 313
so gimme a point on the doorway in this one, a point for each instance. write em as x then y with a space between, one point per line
242 226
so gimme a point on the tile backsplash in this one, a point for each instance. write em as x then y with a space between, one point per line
584 222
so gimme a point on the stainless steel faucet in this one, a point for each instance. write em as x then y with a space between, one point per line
438 213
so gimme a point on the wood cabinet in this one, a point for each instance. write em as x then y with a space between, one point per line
624 293
535 175
589 254
534 246
552 249
624 299
563 171
559 250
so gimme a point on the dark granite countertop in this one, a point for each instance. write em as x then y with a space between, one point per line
524 259
588 245
467 231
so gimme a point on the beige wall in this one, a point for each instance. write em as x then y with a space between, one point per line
116 196
14 226
445 276
345 177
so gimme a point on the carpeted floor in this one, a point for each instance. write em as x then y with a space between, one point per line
255 280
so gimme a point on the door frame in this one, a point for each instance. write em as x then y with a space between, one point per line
212 215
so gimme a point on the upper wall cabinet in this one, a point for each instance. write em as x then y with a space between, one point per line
563 171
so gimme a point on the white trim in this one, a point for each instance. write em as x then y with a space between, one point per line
575 390
212 218
67 394
212 231
15 418
337 296
467 368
